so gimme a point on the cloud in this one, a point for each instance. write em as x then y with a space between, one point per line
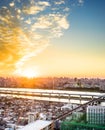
26 29
80 1
67 9
55 23
16 45
43 3
28 21
62 22
59 2
12 4
43 22
34 9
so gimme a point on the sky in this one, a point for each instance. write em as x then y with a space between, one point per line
52 38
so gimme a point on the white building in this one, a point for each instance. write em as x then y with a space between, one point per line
39 125
32 116
96 115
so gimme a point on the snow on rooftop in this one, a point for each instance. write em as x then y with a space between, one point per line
37 125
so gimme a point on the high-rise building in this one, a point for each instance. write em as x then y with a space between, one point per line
96 115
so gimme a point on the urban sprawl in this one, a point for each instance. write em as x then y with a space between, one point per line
17 113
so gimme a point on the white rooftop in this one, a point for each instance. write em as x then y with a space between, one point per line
98 107
37 125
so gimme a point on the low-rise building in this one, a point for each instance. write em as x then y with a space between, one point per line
39 125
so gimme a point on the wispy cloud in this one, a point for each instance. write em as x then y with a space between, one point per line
34 8
81 1
53 24
59 2
26 28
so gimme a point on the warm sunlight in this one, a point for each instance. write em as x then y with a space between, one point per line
29 73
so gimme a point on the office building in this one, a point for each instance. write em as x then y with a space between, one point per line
96 115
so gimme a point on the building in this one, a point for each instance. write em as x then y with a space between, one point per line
32 116
96 115
77 115
39 125
67 125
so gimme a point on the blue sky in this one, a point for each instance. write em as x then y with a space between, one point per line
87 24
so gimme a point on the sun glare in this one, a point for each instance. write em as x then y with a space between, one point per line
29 73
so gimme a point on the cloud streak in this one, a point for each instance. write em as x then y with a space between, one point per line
26 28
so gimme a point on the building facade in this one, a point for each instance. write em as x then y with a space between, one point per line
96 115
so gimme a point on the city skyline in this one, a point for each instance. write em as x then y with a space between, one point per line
52 38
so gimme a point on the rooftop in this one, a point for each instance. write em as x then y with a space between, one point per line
37 125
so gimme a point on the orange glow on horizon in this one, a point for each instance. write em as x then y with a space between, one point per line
28 73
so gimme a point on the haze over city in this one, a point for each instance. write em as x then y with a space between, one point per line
52 38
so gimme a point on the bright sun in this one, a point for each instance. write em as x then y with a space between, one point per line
29 73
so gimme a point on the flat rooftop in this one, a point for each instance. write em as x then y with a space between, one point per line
36 125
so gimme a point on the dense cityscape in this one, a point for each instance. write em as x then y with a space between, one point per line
24 113
65 83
